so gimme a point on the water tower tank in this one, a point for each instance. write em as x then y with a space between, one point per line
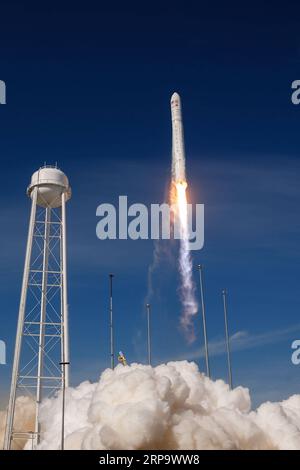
51 183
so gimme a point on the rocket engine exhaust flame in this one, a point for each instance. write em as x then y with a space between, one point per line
179 200
187 288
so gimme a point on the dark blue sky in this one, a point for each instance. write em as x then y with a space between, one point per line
88 86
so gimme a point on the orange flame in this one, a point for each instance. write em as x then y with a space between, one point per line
178 199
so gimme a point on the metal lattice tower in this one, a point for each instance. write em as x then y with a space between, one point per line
42 331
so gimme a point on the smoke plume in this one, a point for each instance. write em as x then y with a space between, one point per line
171 406
187 288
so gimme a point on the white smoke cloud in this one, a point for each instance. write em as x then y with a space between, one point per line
171 406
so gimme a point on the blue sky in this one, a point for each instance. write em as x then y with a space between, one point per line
89 87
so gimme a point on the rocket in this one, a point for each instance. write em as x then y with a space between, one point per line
178 152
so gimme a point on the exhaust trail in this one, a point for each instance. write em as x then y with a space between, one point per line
187 287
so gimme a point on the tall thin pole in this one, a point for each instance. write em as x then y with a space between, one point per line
200 268
63 364
224 295
148 333
65 290
112 356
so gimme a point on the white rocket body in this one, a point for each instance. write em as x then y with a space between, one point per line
178 152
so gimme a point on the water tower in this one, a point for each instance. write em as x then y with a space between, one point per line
42 331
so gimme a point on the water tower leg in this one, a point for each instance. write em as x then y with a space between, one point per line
41 352
12 397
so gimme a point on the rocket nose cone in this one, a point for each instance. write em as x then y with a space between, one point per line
175 96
